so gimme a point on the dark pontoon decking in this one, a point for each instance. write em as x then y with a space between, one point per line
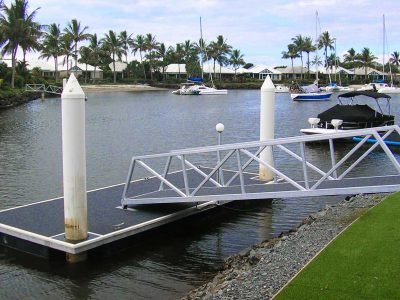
124 210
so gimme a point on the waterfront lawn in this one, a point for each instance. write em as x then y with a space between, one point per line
362 263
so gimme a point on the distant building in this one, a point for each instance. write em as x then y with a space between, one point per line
261 72
47 69
297 72
119 66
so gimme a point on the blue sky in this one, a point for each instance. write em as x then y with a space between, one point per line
260 29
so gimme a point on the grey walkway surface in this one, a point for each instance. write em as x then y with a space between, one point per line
43 222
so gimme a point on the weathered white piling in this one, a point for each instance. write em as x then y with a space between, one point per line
220 175
267 126
74 165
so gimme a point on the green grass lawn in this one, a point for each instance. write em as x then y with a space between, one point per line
362 263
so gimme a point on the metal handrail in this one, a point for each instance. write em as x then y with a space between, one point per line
52 89
191 191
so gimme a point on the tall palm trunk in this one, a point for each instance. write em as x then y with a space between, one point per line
13 59
56 67
141 61
301 57
115 75
292 69
76 57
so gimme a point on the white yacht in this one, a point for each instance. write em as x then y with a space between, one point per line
373 86
279 88
205 90
389 90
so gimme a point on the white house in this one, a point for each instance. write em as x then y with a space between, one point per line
262 71
47 68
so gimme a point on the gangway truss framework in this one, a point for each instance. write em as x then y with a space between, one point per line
192 183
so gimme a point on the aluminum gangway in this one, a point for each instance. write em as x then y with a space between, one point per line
52 89
227 179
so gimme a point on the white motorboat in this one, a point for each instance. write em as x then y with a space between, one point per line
205 90
373 86
186 89
309 93
279 88
338 88
389 90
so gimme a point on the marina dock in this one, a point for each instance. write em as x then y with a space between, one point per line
124 210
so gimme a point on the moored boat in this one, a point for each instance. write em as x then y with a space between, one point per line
308 93
186 89
205 90
195 86
351 115
333 87
279 88
389 90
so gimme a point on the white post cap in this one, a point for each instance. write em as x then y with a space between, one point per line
268 85
73 89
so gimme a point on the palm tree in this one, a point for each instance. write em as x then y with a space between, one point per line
236 60
212 52
316 61
292 54
325 41
95 51
200 48
31 41
139 44
85 58
223 50
331 62
395 59
308 47
114 47
162 54
179 54
126 40
67 49
366 59
350 58
51 46
150 45
17 27
75 31
189 51
298 41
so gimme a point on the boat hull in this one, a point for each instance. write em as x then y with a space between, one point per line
216 92
389 90
311 97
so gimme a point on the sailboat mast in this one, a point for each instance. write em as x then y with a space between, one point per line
383 52
202 48
316 43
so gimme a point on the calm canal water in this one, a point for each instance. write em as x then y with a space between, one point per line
118 126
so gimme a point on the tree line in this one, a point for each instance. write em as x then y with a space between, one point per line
19 30
351 60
